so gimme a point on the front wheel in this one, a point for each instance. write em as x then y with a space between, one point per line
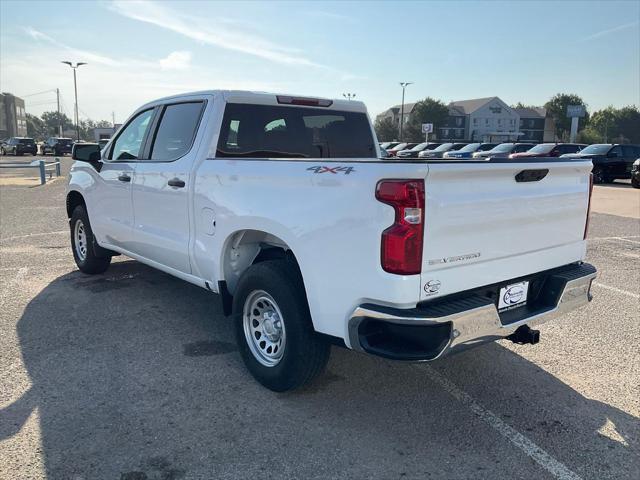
273 327
83 244
635 183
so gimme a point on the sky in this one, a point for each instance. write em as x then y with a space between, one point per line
138 51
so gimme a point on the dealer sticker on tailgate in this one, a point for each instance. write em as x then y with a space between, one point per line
513 296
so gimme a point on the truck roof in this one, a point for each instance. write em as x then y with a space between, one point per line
266 98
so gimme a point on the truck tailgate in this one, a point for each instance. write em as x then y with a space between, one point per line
483 227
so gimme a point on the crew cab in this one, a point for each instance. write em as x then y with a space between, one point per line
610 161
57 146
19 146
281 205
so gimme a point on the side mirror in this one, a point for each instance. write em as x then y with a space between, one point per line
87 152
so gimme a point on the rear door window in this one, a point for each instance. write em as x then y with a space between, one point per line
177 130
264 131
629 151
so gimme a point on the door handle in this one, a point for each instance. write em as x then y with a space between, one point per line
176 182
123 177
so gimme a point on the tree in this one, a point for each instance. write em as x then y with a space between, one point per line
36 128
619 125
557 109
522 105
426 111
589 135
386 129
53 119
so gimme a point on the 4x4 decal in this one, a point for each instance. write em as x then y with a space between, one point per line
335 170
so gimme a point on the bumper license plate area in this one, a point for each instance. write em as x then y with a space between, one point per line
513 296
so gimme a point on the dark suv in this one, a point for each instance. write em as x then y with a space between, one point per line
57 146
19 146
610 160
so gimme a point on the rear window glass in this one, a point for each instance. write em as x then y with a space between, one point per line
264 131
26 141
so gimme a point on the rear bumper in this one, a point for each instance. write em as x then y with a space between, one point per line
460 321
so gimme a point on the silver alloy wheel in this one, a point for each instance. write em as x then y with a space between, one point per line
80 240
264 328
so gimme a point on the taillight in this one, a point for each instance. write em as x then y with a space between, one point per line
309 102
586 223
401 249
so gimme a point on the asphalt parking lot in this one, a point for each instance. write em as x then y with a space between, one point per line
135 375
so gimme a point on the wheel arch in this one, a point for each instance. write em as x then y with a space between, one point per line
74 198
247 247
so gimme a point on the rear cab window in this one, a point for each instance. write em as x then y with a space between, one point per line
265 131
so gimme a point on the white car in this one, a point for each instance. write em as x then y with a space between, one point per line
282 206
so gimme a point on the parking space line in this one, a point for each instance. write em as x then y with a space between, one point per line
6 239
628 240
617 290
540 456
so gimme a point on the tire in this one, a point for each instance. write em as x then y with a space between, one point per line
635 183
83 244
598 175
273 291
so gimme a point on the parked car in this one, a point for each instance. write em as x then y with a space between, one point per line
389 145
610 161
440 151
468 150
635 174
103 142
57 146
401 146
503 150
19 146
413 152
339 248
384 153
548 150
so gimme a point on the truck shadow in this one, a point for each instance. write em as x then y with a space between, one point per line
135 375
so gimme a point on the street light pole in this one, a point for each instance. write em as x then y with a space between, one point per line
75 89
59 116
349 96
403 85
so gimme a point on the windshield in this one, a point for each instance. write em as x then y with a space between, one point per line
503 148
597 149
486 146
400 146
472 147
444 147
419 147
269 131
542 148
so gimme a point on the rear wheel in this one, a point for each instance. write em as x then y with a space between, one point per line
83 244
598 175
273 326
635 183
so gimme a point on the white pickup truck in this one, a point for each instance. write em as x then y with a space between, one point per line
282 206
